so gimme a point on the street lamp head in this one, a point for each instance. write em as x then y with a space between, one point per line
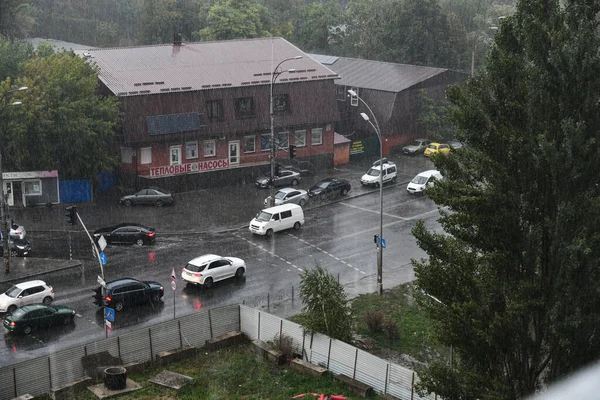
16 103
352 92
297 58
364 116
23 88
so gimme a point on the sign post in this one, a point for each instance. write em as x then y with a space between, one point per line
173 286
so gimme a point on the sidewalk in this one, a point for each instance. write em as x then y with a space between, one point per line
204 211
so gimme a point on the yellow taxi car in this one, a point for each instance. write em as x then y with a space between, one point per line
435 147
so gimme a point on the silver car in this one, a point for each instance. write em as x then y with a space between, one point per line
284 178
289 195
417 146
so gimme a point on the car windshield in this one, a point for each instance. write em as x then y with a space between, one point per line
415 143
13 292
432 146
419 180
280 195
322 185
195 268
373 172
263 216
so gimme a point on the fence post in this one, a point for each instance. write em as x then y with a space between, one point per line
304 341
15 381
412 386
329 353
50 374
239 318
180 338
119 346
292 295
85 350
268 301
355 361
151 352
280 331
259 325
210 324
387 377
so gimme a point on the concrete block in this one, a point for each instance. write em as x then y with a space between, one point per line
305 367
169 356
262 349
228 339
361 389
70 388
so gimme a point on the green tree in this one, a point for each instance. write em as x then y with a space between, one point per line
325 306
13 55
433 117
158 21
63 123
515 274
236 19
320 27
16 19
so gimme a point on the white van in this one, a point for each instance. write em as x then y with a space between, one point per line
422 181
372 177
276 219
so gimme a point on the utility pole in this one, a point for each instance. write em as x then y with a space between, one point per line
5 230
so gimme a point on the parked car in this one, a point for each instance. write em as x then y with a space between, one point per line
372 177
153 195
416 146
127 292
26 319
25 293
16 247
454 143
435 147
210 268
17 231
127 233
289 196
423 180
329 187
285 177
278 218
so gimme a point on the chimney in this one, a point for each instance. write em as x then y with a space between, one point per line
177 39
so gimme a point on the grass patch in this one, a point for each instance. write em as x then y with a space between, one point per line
234 373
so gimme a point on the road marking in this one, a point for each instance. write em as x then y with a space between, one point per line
375 212
270 252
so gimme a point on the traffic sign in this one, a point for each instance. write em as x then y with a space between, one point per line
173 285
109 314
108 324
381 242
101 281
103 258
102 243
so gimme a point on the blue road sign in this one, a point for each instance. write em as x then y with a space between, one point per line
103 258
109 314
381 242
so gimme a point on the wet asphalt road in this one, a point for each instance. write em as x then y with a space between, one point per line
337 236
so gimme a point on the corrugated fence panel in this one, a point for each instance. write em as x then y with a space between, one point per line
319 349
165 336
32 377
7 391
109 345
225 319
194 329
269 326
341 360
296 332
135 346
249 321
400 382
371 370
66 366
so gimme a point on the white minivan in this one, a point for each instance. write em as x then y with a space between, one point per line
276 219
372 177
422 181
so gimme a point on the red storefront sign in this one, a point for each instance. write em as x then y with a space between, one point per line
189 168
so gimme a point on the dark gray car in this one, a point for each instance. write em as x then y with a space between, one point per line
155 196
285 177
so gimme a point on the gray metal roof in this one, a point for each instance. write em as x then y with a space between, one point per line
59 44
134 71
377 75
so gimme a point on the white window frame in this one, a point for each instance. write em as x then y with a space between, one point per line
319 133
285 135
300 137
190 149
175 150
210 148
32 184
126 155
268 135
354 99
247 139
146 155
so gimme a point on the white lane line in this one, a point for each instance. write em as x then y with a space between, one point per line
374 211
268 251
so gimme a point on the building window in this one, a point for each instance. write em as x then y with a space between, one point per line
300 138
214 109
244 107
33 187
191 150
354 99
146 155
249 144
175 152
126 155
283 140
342 92
280 102
316 136
210 148
265 142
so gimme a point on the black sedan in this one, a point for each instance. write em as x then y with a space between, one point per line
127 233
127 292
26 319
329 188
155 196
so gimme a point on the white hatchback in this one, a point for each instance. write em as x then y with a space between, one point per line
210 268
21 294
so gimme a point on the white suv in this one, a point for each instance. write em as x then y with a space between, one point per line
21 294
372 176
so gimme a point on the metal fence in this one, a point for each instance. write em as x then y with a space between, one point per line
40 375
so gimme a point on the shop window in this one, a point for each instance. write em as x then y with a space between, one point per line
265 142
126 155
249 144
175 152
191 150
146 155
300 137
210 149
316 136
33 187
283 140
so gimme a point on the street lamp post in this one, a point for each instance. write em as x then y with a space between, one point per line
380 240
274 76
5 229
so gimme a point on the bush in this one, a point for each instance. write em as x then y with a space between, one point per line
391 330
285 344
374 320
